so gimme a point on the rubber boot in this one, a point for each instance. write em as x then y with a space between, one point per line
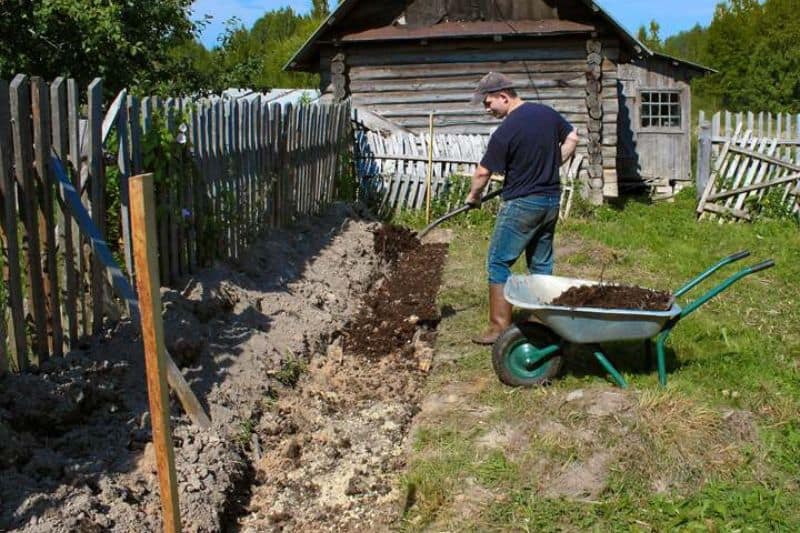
499 315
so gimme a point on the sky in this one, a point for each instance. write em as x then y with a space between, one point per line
673 15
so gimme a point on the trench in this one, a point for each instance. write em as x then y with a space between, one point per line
332 447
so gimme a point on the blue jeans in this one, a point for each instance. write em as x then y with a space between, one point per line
524 224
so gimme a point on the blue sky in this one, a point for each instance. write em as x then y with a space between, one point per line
673 15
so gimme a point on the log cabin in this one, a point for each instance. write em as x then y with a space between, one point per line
400 60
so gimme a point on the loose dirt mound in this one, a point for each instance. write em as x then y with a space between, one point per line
74 451
394 313
615 297
391 241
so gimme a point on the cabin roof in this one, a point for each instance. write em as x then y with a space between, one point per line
304 58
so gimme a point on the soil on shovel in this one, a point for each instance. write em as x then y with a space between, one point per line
615 297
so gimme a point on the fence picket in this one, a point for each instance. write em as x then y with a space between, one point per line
97 196
12 275
77 167
40 100
68 275
23 165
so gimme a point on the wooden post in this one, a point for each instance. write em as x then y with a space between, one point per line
143 229
430 170
703 157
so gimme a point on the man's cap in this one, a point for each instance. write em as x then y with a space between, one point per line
492 82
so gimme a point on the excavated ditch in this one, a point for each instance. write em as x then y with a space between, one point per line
308 354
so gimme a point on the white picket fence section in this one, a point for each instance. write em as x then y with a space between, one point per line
744 156
394 169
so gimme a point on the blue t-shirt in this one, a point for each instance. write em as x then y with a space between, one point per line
526 148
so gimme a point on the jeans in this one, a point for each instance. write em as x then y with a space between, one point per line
523 224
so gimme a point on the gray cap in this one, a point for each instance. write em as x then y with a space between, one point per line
492 82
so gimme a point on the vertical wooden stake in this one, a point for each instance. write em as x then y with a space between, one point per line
703 157
430 171
143 230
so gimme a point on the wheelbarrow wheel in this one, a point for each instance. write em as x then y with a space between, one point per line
527 354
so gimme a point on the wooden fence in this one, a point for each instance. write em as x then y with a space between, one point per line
744 158
226 171
394 169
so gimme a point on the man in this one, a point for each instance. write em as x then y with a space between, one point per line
529 148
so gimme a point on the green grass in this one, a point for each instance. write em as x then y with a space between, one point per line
716 450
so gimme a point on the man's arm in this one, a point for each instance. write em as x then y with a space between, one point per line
569 145
479 180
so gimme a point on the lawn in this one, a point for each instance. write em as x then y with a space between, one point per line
715 450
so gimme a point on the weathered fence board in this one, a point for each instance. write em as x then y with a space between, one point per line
23 166
68 273
97 185
40 107
12 275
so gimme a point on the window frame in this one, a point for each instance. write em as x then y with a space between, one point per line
682 128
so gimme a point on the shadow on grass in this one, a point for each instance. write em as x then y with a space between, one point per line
629 357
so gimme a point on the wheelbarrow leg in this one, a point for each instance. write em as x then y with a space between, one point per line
662 360
615 375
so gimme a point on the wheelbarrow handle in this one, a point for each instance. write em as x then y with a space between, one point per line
737 256
769 263
721 263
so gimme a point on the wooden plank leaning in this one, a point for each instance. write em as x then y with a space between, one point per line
23 163
12 272
40 107
711 184
123 288
143 223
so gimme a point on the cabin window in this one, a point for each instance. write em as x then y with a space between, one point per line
661 109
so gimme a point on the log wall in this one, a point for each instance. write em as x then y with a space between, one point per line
406 82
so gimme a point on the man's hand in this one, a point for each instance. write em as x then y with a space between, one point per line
479 180
474 199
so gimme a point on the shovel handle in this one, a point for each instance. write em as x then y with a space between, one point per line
451 214
485 198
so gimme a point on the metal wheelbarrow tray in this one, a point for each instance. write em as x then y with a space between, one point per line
530 353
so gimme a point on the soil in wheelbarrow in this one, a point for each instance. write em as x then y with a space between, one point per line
615 297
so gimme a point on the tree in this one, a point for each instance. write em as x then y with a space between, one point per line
126 42
651 39
756 49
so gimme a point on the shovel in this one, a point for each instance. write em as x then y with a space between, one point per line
451 214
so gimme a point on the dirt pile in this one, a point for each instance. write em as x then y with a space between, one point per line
615 297
403 309
74 437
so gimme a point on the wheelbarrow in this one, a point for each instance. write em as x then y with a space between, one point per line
532 353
